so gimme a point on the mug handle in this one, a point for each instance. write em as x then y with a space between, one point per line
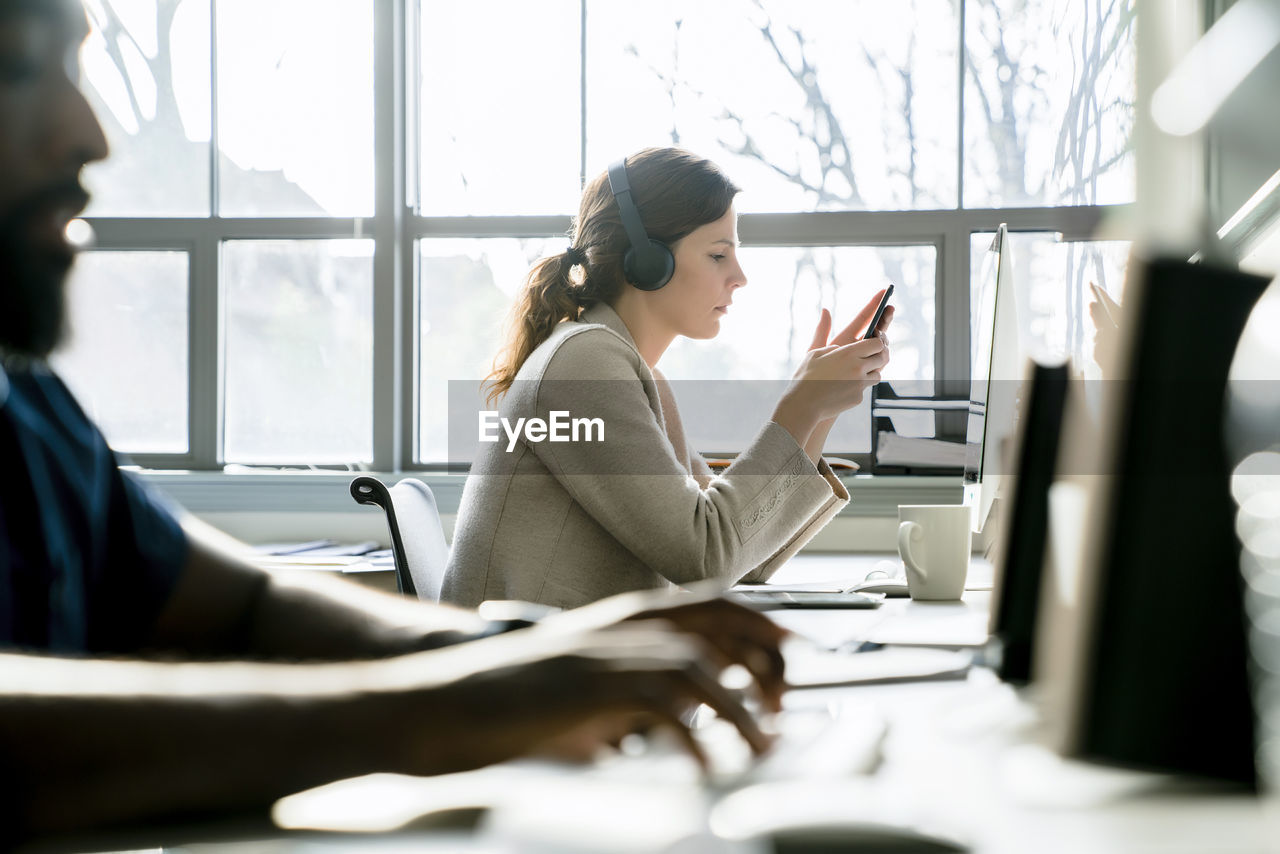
910 532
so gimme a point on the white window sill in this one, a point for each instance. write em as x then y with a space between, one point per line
327 492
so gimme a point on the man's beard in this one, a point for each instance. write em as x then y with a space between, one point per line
33 277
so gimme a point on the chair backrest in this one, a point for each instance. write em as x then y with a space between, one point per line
417 535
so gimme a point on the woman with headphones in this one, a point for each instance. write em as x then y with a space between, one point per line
630 505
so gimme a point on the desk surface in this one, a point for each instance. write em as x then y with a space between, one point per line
896 620
960 758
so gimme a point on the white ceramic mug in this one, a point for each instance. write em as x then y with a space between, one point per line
933 541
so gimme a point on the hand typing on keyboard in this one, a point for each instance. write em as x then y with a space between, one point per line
823 743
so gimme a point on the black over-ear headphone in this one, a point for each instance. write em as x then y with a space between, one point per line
648 264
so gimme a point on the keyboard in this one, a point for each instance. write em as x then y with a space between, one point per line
810 743
820 743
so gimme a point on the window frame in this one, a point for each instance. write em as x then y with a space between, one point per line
396 227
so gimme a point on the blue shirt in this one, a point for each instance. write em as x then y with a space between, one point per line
88 556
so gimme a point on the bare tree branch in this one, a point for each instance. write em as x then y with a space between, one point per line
805 77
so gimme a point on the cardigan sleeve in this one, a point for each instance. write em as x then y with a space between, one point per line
839 498
632 484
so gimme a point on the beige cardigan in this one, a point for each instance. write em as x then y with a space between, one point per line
569 523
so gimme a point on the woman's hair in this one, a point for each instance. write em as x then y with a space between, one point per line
675 191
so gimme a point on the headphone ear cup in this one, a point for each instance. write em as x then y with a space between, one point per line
651 268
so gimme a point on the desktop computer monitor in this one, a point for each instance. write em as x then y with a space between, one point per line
1023 531
995 378
1140 655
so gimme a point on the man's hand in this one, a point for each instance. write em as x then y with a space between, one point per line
732 633
536 691
735 635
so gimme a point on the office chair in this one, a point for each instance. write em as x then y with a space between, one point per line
417 536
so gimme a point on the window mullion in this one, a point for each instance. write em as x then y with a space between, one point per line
951 345
205 390
390 291
408 101
582 95
960 115
205 400
214 203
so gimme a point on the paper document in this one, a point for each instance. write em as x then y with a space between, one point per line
893 449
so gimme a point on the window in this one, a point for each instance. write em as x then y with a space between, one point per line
150 80
810 104
298 357
132 305
330 230
1048 103
476 279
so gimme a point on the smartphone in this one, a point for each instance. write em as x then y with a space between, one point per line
875 318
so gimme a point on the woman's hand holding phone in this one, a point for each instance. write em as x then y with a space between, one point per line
859 328
835 373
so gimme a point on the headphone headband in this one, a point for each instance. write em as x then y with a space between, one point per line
627 209
649 263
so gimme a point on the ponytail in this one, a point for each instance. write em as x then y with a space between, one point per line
548 297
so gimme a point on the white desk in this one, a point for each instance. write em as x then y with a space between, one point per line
962 756
965 755
959 759
964 620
